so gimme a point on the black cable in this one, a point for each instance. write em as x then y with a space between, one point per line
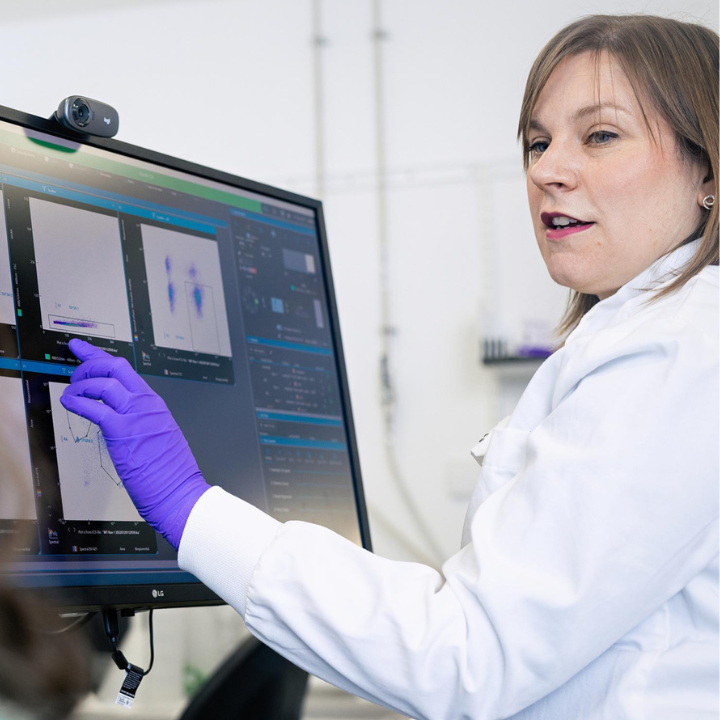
111 630
74 625
152 644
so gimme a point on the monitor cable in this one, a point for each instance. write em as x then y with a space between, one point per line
133 673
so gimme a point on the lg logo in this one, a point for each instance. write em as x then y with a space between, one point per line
158 593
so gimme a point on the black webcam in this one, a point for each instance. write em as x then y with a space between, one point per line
87 116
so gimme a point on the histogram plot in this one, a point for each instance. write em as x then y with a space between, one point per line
80 271
89 484
17 501
7 300
185 288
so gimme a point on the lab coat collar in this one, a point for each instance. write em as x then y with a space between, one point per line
662 272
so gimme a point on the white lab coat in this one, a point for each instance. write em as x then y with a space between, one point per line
587 585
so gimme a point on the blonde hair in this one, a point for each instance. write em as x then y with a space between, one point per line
673 65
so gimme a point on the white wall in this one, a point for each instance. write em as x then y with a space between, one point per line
229 83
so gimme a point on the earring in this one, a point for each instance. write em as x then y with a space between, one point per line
708 201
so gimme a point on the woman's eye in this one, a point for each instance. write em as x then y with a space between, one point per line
601 137
538 147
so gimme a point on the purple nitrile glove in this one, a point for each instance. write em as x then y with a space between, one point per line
147 447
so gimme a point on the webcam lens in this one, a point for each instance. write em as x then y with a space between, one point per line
81 112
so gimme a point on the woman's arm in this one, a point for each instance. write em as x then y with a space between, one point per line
612 511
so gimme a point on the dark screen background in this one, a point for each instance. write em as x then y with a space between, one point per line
221 304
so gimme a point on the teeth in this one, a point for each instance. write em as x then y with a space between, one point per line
563 220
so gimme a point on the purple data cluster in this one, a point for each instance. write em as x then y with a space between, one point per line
197 292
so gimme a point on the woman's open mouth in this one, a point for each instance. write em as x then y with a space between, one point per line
560 226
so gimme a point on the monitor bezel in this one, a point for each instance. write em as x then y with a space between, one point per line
139 597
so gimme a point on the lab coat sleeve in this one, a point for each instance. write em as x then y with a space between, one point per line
612 511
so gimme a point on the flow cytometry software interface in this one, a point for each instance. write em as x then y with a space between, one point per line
215 295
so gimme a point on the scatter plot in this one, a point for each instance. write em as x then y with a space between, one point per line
197 292
89 485
203 322
187 302
80 271
170 284
17 501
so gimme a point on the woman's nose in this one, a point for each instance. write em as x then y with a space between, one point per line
557 168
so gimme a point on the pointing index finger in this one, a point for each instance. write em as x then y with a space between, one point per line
84 350
98 363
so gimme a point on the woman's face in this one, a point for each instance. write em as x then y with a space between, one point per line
592 159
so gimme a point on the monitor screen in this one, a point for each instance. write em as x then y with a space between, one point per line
218 292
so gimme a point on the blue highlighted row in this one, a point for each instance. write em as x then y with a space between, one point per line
257 217
65 194
289 346
38 367
305 419
298 442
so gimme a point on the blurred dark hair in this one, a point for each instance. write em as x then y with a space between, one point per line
41 672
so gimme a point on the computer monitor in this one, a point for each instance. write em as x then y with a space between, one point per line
218 291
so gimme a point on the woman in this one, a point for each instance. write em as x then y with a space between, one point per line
587 583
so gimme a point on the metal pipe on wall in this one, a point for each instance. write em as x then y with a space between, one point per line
379 37
319 42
